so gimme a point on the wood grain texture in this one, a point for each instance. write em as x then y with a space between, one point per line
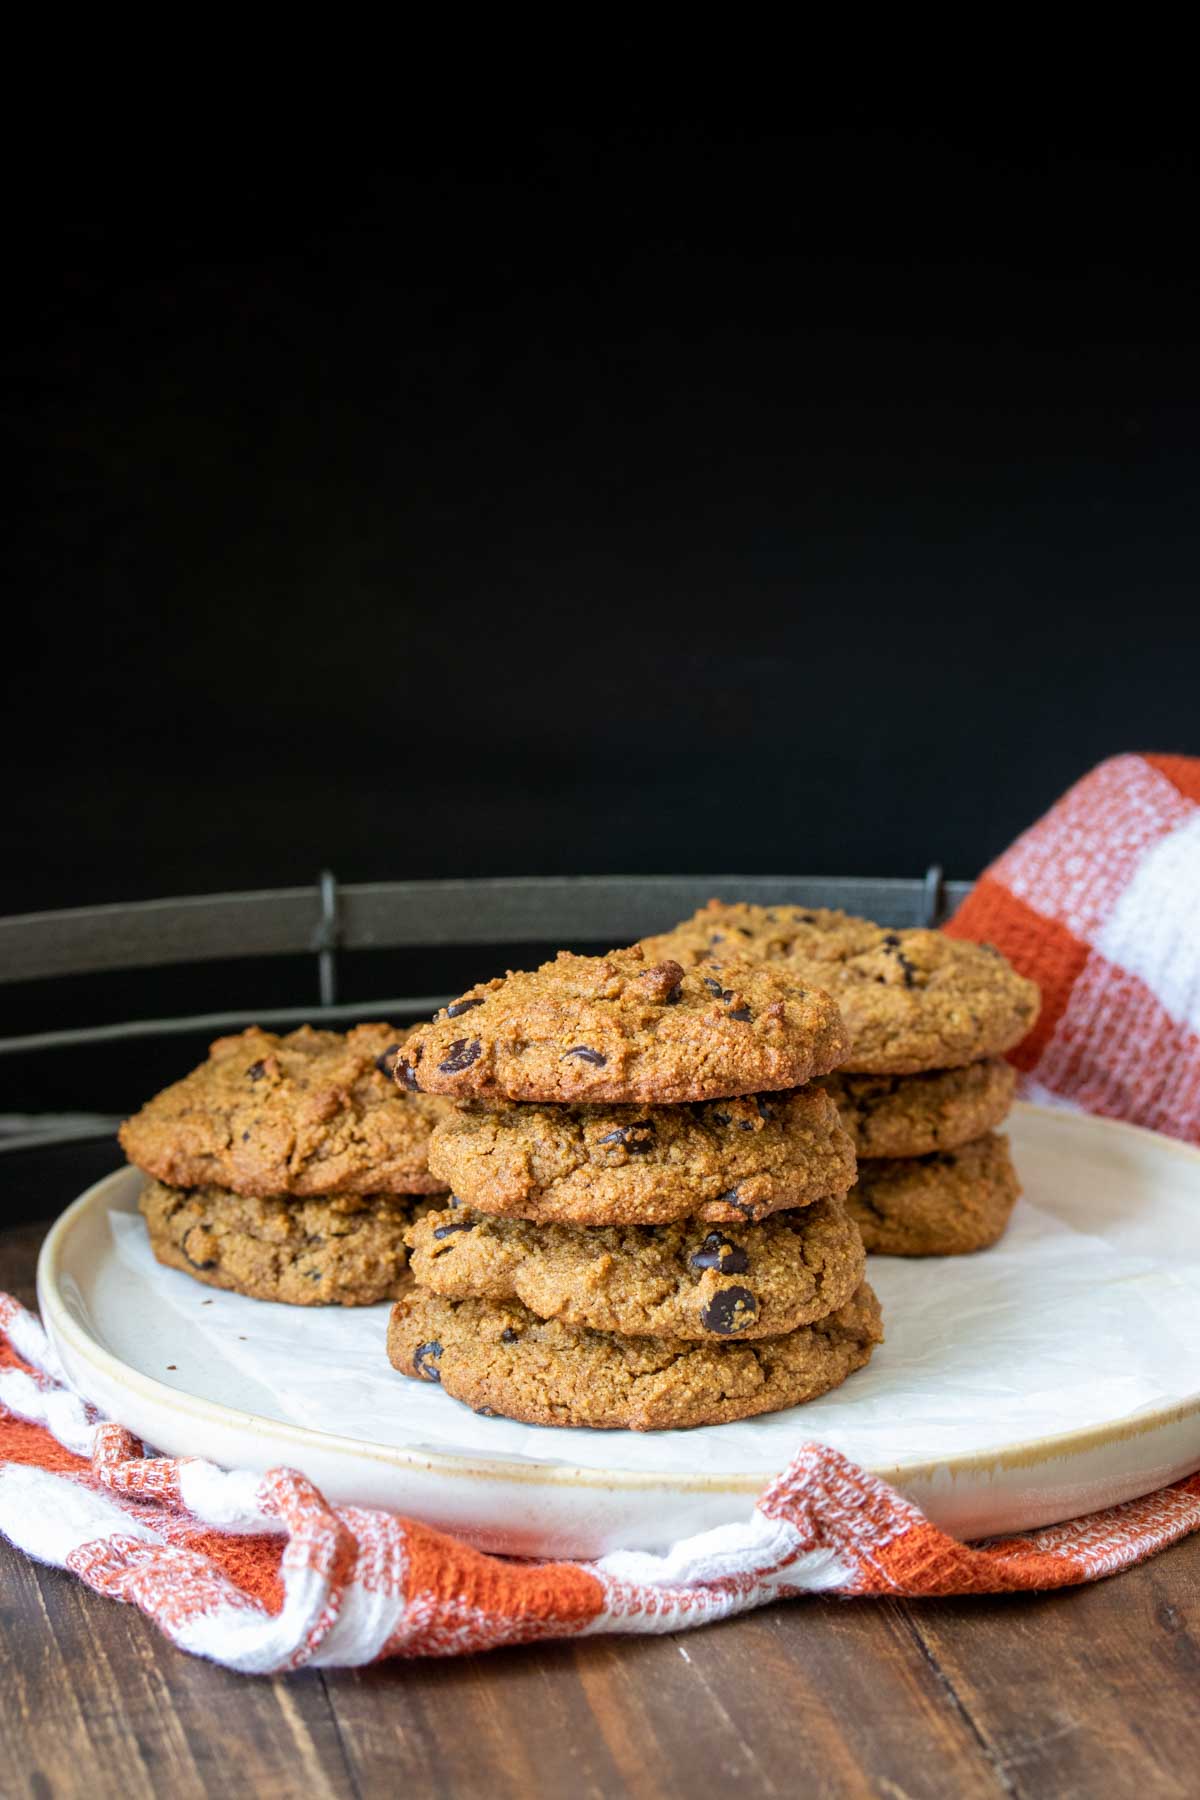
1088 1693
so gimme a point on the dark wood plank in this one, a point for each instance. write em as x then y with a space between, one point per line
812 1697
1085 1692
96 1703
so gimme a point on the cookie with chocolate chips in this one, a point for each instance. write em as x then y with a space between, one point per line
686 1280
718 1160
623 1029
315 1112
499 1357
341 1249
911 999
947 1204
913 1115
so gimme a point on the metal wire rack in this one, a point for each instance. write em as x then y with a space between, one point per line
329 918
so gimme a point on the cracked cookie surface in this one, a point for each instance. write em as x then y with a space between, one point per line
913 1115
677 1281
499 1357
911 999
720 1160
342 1249
623 1029
315 1112
948 1204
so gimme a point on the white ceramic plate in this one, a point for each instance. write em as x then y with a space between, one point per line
1055 1374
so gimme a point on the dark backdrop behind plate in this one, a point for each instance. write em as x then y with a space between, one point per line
630 500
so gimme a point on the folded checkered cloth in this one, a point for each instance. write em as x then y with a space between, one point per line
261 1573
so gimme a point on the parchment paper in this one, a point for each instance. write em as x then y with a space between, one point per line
1087 1312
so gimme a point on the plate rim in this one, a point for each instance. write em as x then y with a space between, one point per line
61 1324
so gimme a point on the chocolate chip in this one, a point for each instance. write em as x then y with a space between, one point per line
730 1198
462 1006
460 1056
729 1311
424 1359
890 940
766 1111
407 1072
245 1137
717 1252
675 995
386 1062
745 1125
742 1013
585 1055
910 970
509 1336
714 987
211 1263
484 1412
635 1146
312 1274
721 1118
441 1231
256 1071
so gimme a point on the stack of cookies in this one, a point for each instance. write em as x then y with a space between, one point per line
288 1168
646 1227
925 1082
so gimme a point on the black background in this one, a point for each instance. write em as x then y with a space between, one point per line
655 497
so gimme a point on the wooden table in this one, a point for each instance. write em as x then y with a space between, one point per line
1091 1693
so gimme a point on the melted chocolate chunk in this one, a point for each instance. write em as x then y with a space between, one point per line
424 1361
730 1198
462 1006
441 1231
717 1252
635 1146
509 1336
256 1071
585 1055
211 1263
386 1063
729 1311
714 987
460 1056
742 1013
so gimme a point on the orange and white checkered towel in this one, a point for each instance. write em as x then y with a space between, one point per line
262 1574
1100 903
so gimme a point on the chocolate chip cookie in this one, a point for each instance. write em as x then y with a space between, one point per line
674 1281
626 1030
315 1112
912 1115
912 999
947 1204
501 1358
717 1160
341 1249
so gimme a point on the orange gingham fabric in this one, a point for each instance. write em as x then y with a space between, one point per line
1100 903
261 1574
